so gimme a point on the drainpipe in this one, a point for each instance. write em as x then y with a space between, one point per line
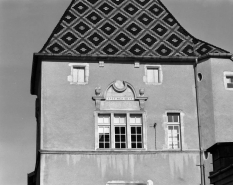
199 127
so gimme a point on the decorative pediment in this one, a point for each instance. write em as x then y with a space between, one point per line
119 95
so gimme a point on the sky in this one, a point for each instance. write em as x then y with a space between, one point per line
25 26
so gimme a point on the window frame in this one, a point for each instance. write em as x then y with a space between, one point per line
166 125
174 124
228 75
160 74
70 78
128 129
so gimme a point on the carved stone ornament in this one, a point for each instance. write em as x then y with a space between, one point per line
119 95
97 91
119 86
141 92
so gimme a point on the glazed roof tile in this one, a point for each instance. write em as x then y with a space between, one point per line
123 28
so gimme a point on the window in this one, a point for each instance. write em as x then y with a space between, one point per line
153 74
79 73
136 131
229 81
120 131
173 128
104 131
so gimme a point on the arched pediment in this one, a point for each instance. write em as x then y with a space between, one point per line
119 95
120 90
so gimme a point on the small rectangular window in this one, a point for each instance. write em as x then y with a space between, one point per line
153 74
173 117
79 73
229 81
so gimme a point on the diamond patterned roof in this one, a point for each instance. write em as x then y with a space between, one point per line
123 28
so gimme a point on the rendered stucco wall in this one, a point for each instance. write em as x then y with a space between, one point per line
67 110
206 107
162 168
223 100
215 102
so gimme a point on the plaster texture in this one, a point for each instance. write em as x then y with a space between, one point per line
215 105
162 168
67 110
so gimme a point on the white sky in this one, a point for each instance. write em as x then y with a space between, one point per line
25 25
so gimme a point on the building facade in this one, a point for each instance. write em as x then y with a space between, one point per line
125 95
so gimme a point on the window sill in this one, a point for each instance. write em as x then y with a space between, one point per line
147 83
78 83
121 150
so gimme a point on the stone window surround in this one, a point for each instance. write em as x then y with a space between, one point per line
86 77
159 67
225 74
149 182
127 113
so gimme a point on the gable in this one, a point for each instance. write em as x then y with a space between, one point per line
123 28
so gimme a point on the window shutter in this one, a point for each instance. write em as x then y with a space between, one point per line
150 75
81 75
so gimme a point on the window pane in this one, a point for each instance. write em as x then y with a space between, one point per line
117 145
133 130
106 120
133 138
116 120
169 118
139 138
156 75
152 75
117 138
117 130
81 74
100 120
122 120
132 120
123 145
139 145
133 145
106 130
75 75
107 145
139 130
122 130
123 138
101 138
176 118
107 138
138 120
101 145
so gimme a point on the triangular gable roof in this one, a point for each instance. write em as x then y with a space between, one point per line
127 28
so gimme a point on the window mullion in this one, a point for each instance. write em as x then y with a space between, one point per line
128 131
112 131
